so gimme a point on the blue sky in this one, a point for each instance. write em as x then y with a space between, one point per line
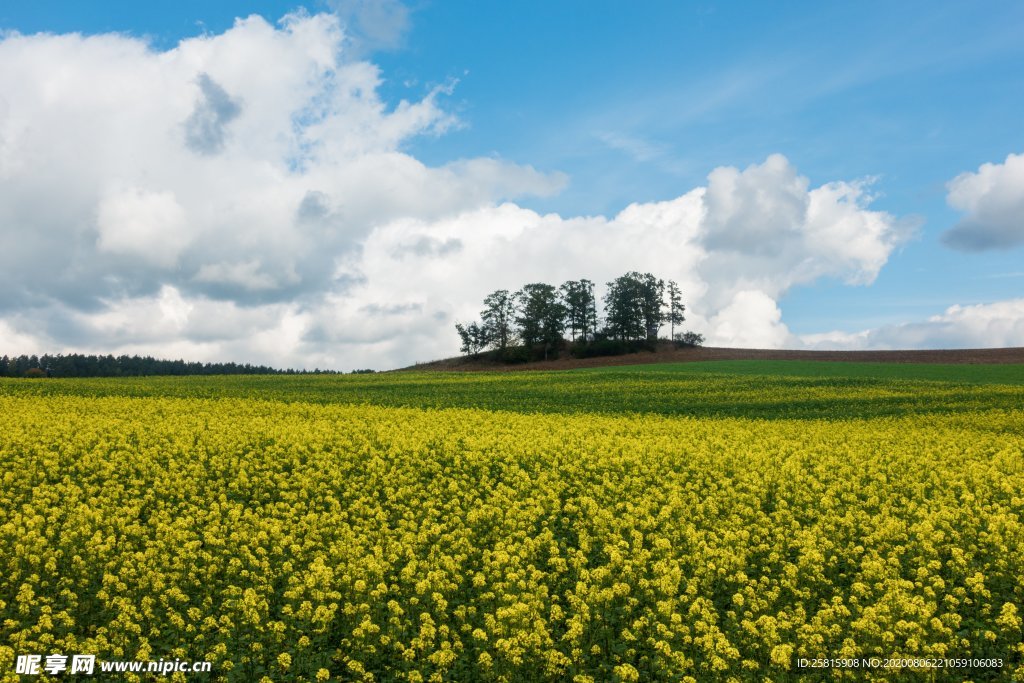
910 93
639 102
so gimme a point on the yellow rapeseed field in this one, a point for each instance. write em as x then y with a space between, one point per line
293 541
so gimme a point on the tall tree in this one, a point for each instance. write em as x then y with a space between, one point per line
675 307
498 317
624 307
652 303
581 308
590 320
540 316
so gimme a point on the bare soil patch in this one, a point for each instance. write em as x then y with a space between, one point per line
668 354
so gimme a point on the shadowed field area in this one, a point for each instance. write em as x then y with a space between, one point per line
753 389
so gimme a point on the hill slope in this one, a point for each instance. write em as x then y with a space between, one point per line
668 354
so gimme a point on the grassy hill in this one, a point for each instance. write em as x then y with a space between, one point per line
668 353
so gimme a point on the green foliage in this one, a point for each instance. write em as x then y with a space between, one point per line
475 337
755 389
499 318
515 355
962 373
633 306
688 339
81 365
623 309
610 347
540 317
675 308
581 309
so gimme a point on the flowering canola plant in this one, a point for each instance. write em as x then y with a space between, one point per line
300 541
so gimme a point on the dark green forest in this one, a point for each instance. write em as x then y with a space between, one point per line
81 365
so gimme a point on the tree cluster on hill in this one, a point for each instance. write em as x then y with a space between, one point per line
80 365
533 322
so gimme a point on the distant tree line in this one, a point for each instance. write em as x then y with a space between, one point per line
535 321
79 365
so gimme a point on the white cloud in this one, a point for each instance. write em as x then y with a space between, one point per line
15 342
992 200
207 158
246 274
757 211
245 196
766 230
995 325
751 320
150 226
731 282
373 24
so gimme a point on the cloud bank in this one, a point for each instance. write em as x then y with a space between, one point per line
992 200
999 324
246 196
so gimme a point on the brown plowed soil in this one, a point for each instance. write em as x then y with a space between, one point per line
688 355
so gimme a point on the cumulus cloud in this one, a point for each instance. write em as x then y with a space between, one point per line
992 200
711 240
205 127
751 320
148 226
246 165
245 196
764 229
993 325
